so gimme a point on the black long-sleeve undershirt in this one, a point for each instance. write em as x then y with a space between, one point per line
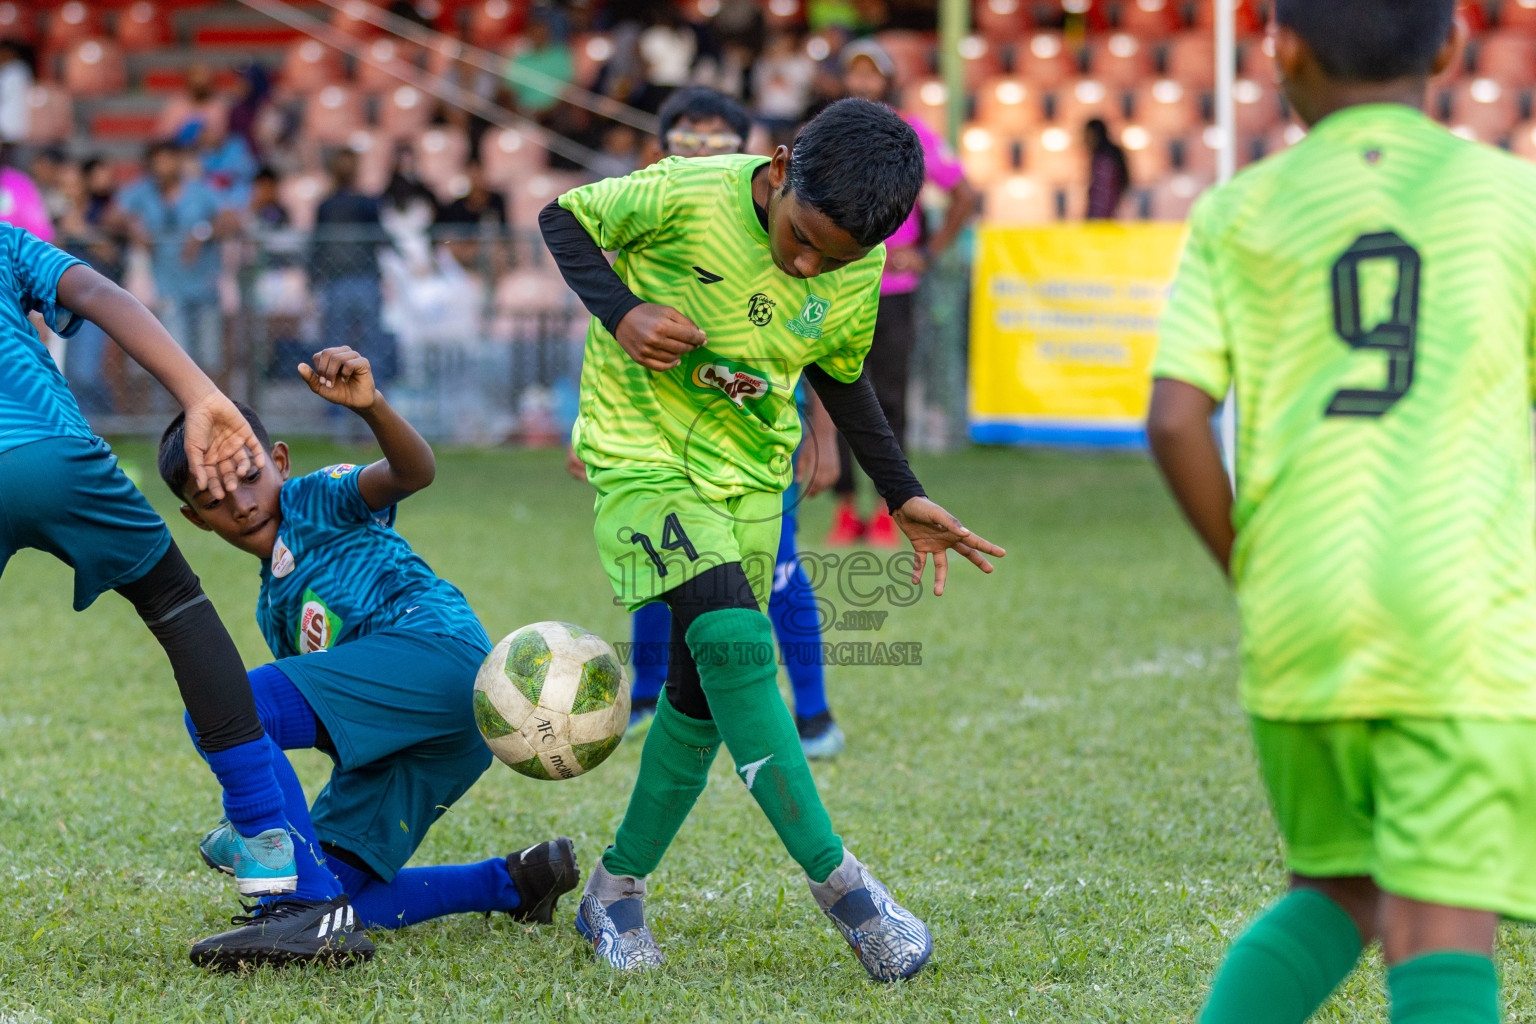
854 408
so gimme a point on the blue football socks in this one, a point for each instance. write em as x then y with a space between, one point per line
651 629
797 625
252 802
420 894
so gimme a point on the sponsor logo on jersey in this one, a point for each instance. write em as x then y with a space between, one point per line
760 310
736 381
282 559
319 627
337 472
807 323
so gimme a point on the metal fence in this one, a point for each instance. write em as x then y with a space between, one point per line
471 333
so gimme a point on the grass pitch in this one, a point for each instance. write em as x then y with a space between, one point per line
1063 788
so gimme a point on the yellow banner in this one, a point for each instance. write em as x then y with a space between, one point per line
1063 330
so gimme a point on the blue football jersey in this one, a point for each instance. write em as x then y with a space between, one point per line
339 571
35 403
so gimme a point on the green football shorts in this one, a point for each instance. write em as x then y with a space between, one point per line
1437 810
655 531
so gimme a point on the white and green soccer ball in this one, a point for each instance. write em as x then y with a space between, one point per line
552 700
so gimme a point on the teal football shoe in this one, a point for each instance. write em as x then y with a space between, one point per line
887 938
820 737
262 865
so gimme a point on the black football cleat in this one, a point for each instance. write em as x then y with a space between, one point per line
542 873
288 931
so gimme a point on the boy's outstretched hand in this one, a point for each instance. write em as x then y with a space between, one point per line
341 375
221 448
934 531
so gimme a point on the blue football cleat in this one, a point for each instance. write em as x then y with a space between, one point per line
612 918
888 940
262 865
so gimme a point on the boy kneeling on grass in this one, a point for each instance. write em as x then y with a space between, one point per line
376 667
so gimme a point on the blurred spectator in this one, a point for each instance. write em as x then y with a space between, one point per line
344 267
15 92
22 202
86 229
698 121
251 99
82 234
868 72
618 154
101 192
1108 176
479 207
46 169
668 47
781 82
407 210
177 216
266 213
227 163
196 103
546 55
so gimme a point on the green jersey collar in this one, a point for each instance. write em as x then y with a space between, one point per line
1370 114
744 205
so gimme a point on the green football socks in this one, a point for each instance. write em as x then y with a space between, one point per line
1286 964
1444 988
674 766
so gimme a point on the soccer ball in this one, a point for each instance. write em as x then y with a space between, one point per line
552 700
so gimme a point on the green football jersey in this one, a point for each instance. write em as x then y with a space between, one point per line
688 236
1371 296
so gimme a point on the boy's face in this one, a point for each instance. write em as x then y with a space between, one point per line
803 240
248 517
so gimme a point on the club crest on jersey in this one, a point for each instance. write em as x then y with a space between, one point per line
337 472
760 310
318 625
282 559
812 315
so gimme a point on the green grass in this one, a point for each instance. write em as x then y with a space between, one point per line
1063 789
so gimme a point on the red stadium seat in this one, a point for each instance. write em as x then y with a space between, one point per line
492 22
784 14
72 22
1000 20
926 100
375 154
1256 59
1093 14
1486 109
1008 105
1283 136
142 26
1166 107
588 55
333 114
1522 141
17 22
385 55
1020 199
1518 14
1148 154
1047 61
1256 105
352 18
310 66
1149 20
911 52
440 157
1245 15
509 156
95 67
535 194
1476 15
1172 198
1507 57
1054 156
1087 98
1199 153
1122 60
404 112
979 61
300 195
986 155
1192 59
52 114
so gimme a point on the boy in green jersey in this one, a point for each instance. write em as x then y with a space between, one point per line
734 275
1370 294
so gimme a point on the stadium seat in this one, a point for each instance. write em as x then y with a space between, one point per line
404 112
588 55
1518 14
142 26
1522 141
509 156
1246 17
925 100
17 22
385 54
1507 57
1475 13
1054 156
71 23
440 156
333 114
1019 199
491 23
1484 107
527 290
1282 137
1078 15
1191 59
52 114
1148 154
1171 198
95 67
1000 20
1256 105
1197 153
1084 99
986 155
1256 59
979 61
1149 20
300 195
1166 107
1047 62
310 66
443 58
375 154
911 52
352 18
1008 105
1121 61
531 196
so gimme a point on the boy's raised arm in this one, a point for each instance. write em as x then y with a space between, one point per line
343 376
220 445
